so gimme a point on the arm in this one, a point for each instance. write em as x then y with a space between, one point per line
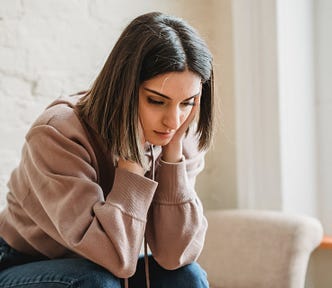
107 231
176 225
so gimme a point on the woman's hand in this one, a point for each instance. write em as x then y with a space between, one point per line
172 152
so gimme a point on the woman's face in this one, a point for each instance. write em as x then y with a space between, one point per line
165 102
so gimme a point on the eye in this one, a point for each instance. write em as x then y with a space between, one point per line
188 103
155 102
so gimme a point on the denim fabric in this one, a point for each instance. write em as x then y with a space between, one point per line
19 270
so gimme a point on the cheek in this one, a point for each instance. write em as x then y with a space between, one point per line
147 116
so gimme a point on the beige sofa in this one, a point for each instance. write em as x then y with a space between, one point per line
258 249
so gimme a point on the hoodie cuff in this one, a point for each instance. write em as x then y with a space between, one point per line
173 184
132 193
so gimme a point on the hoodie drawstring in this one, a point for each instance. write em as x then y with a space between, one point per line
146 258
146 262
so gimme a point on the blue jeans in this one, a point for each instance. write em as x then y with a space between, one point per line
19 270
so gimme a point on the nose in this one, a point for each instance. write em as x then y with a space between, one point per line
172 118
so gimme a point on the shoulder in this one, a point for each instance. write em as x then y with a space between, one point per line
59 131
61 116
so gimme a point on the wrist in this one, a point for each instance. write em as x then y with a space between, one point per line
172 153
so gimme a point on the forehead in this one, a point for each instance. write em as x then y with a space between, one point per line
175 84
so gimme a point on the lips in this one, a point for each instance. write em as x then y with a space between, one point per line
161 132
164 134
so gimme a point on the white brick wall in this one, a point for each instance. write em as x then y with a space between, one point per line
47 48
54 47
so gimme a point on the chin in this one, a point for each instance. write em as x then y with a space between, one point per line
159 142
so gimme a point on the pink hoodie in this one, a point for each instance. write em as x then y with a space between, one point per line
66 198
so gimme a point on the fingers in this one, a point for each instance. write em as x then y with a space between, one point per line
185 125
195 108
191 115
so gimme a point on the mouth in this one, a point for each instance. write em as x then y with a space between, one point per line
164 134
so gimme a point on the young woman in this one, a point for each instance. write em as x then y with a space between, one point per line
104 170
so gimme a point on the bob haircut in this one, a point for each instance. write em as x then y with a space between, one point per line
152 44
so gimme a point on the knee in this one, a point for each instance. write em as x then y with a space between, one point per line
192 276
96 277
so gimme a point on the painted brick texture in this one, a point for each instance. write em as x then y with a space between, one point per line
47 48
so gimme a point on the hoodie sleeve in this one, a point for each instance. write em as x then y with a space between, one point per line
176 225
108 231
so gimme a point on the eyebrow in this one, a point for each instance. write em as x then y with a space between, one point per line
167 97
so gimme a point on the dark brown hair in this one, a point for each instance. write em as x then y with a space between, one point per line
152 44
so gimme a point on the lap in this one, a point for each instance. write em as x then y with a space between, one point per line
59 273
191 275
18 270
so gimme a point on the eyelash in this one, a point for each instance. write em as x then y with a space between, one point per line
150 100
155 102
188 103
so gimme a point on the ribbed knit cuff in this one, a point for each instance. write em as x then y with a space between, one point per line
132 193
173 184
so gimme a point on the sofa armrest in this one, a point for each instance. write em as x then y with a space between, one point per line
256 249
